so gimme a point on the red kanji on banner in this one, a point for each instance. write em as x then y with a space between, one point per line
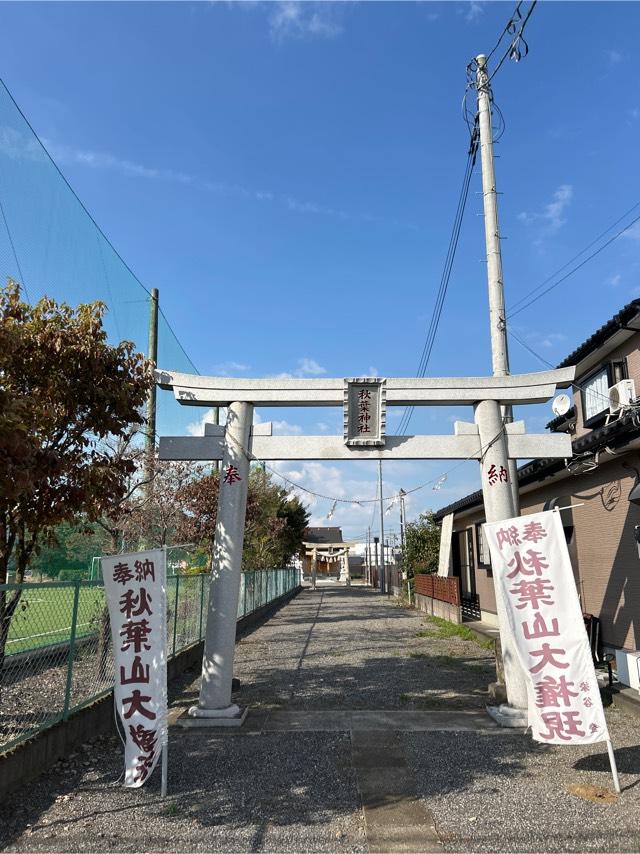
508 536
139 673
546 657
550 691
563 725
533 593
533 532
540 628
132 605
533 559
136 634
122 574
143 767
144 739
136 704
145 569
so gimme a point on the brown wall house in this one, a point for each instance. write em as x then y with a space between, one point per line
601 476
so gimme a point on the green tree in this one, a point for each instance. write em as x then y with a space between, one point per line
64 393
274 526
422 538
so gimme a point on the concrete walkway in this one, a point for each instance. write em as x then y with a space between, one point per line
366 733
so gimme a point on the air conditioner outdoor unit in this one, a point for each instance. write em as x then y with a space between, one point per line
621 394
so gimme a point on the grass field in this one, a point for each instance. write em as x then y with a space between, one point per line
44 616
45 613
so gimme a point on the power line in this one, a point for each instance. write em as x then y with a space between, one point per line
574 258
514 51
574 269
446 273
575 385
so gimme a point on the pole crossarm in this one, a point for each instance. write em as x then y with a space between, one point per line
195 390
459 447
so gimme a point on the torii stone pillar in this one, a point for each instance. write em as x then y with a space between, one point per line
498 504
215 704
345 576
314 568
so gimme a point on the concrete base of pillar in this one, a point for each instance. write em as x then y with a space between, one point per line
498 693
231 716
509 716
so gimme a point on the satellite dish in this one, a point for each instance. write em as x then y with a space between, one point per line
561 404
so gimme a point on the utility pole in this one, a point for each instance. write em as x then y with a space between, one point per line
368 557
495 279
216 420
403 522
501 497
375 547
383 577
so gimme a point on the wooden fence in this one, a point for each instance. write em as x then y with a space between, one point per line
444 589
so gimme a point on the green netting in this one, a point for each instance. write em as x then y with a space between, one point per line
51 245
58 657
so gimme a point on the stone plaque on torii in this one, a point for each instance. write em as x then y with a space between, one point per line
364 401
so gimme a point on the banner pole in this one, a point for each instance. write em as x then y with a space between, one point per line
165 767
165 746
614 767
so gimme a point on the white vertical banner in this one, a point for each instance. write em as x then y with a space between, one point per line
135 589
444 557
531 564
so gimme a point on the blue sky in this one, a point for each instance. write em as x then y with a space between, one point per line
287 174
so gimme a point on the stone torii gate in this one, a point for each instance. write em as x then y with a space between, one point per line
329 552
364 401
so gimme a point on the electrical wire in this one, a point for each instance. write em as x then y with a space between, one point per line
525 299
446 273
482 451
575 385
514 50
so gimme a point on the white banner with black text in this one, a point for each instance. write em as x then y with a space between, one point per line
135 589
531 563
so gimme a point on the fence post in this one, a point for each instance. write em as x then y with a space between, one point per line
202 578
175 615
72 648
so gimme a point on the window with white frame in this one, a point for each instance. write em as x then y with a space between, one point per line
595 395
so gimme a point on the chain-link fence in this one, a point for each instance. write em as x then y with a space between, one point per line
58 655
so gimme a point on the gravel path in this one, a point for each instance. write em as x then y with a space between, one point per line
262 790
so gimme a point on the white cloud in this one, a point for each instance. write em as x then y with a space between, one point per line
537 339
633 114
633 233
224 369
313 208
19 146
284 428
613 57
614 280
196 428
552 215
293 19
306 368
474 11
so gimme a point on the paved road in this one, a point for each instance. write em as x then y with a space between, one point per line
362 736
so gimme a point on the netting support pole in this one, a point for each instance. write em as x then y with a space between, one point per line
150 441
72 650
175 614
202 580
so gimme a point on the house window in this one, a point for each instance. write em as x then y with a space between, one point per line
484 559
595 395
595 390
